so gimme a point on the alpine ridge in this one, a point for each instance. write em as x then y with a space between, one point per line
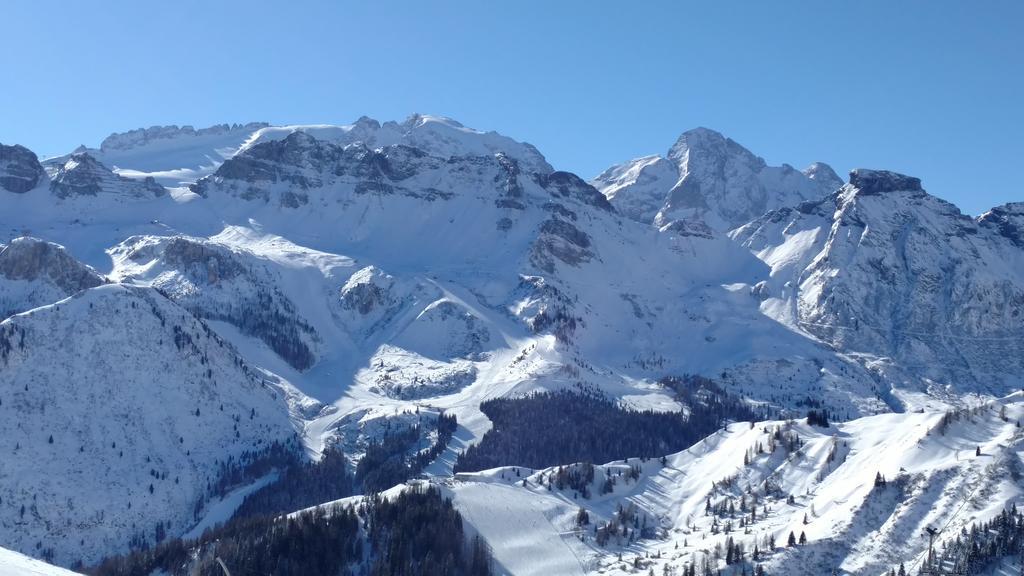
711 179
218 326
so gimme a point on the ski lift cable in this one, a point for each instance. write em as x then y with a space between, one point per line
951 518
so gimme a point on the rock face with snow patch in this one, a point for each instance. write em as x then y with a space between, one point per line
218 283
1007 221
146 136
82 175
371 299
446 330
882 267
34 272
709 178
824 175
20 170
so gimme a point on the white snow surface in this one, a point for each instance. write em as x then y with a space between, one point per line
14 564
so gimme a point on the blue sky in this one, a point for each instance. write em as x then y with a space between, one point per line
931 88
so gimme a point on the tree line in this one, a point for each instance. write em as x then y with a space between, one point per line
416 532
582 425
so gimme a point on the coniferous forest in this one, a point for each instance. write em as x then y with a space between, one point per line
977 549
579 425
415 532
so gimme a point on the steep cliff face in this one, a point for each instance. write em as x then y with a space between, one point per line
882 267
20 170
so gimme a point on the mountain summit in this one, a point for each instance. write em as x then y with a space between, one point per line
708 178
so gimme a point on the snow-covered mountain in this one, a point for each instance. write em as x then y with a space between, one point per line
119 409
708 178
333 283
883 268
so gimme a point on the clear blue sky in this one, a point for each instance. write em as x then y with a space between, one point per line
931 88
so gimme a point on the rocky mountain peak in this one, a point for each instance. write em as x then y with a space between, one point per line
20 170
81 174
709 179
869 182
703 145
823 173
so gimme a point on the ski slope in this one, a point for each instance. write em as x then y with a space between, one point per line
933 479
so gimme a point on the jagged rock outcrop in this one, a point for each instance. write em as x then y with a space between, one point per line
709 178
20 170
881 267
1007 220
881 181
144 136
34 273
82 175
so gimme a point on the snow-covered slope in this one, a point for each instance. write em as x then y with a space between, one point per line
883 268
14 564
754 485
118 409
708 178
218 282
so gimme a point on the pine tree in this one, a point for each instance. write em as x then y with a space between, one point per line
792 540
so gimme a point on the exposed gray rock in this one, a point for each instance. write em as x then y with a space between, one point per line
686 228
33 259
560 240
20 170
1007 220
143 136
882 181
569 185
83 175
367 290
